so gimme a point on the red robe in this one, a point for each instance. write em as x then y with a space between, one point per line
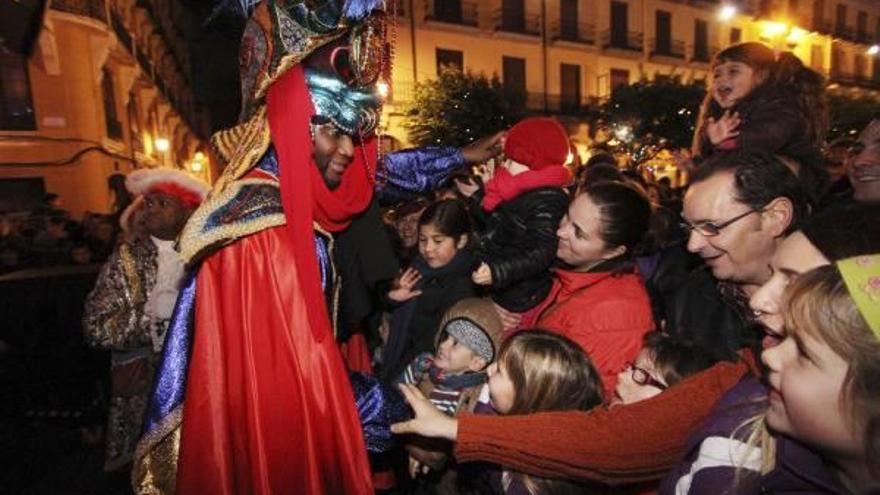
269 408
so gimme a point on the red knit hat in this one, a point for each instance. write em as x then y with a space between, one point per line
537 143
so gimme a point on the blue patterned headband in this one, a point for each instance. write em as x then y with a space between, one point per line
353 111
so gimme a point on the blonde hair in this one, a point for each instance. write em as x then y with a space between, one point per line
549 373
818 304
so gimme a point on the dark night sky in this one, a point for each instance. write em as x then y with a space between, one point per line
214 49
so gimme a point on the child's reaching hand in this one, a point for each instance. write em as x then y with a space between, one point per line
403 289
724 128
428 421
482 275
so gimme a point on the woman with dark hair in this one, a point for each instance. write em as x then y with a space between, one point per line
598 299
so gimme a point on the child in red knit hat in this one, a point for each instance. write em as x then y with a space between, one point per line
525 201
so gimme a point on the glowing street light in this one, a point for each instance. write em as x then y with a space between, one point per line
726 13
198 162
773 29
874 50
162 144
383 89
795 36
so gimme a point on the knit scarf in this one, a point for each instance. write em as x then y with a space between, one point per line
304 196
424 363
503 186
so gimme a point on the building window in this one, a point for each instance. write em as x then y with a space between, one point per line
619 25
817 58
114 128
16 107
859 65
571 87
663 25
451 58
568 17
840 20
619 77
701 41
819 15
736 35
447 10
862 26
513 16
837 63
514 77
134 124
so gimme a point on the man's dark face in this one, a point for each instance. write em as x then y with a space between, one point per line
333 152
164 215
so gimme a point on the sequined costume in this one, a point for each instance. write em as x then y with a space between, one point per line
115 319
252 395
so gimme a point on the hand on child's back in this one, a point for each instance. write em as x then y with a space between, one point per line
404 287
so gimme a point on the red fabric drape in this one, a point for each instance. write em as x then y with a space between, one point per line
268 409
289 110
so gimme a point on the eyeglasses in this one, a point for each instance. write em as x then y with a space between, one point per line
710 229
642 377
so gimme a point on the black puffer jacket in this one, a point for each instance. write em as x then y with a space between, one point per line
519 245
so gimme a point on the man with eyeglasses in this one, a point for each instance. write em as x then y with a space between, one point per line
738 209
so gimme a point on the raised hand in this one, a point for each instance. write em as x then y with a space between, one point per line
404 286
429 421
484 148
482 275
724 128
509 320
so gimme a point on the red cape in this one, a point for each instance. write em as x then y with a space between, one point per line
268 408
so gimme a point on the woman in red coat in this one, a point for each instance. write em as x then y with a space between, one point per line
598 299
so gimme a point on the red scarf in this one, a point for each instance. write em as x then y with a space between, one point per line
503 187
304 196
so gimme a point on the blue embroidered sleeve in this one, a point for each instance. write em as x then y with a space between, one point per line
408 173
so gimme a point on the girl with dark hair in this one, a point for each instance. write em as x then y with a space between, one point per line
760 100
598 299
440 276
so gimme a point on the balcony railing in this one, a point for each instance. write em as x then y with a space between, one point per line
96 9
573 32
671 48
845 32
629 40
703 53
850 79
527 24
466 13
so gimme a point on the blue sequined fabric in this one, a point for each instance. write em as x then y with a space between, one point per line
378 407
408 173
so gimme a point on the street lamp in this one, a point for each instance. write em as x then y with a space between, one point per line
726 13
874 50
162 144
198 162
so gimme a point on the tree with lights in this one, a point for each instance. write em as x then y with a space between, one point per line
657 113
458 108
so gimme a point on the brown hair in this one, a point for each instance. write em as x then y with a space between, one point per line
820 305
676 359
785 71
549 373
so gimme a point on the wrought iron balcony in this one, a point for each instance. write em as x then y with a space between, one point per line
623 40
669 48
452 12
526 24
574 32
703 53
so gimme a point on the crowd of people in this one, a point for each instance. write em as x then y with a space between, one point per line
47 236
553 331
